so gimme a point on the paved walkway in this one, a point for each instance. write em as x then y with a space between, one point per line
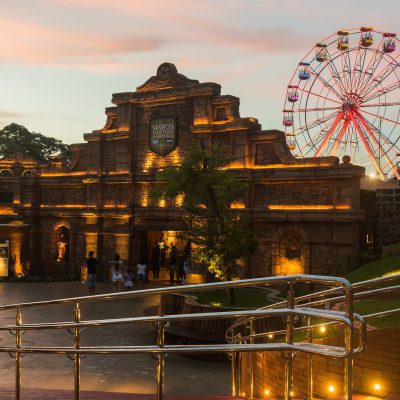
119 374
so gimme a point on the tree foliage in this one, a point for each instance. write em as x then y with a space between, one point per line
16 139
220 233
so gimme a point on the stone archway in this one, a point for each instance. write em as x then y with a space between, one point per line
290 251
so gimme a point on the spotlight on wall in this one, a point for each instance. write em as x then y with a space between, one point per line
270 336
331 388
377 386
322 329
267 392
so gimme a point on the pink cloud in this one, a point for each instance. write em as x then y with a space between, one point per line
41 45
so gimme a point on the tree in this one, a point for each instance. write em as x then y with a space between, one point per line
220 233
16 139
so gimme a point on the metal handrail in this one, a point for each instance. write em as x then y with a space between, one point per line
160 350
324 297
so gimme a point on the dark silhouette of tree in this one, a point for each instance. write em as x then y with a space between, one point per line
16 139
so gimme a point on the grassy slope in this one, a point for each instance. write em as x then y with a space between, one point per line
377 269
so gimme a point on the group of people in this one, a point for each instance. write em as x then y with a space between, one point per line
120 277
178 261
123 278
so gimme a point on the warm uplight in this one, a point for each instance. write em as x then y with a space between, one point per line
270 336
267 392
162 203
291 394
323 330
216 303
331 389
372 175
377 386
307 207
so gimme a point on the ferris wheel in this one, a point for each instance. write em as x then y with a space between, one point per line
344 99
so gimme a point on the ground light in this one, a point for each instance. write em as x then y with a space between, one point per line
331 388
377 386
266 392
322 329
270 336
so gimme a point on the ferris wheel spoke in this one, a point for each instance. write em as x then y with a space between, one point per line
371 134
380 117
380 76
344 79
339 138
319 95
372 65
329 62
366 145
384 104
329 133
379 132
325 83
316 109
314 123
382 91
378 81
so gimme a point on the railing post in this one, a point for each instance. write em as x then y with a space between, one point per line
310 382
160 357
18 341
251 369
240 374
77 357
349 338
234 373
289 340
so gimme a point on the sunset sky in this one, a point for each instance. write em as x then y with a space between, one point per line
61 60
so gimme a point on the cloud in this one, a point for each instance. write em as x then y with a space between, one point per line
37 44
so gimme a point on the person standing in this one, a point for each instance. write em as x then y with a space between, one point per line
91 266
128 279
117 273
155 260
173 263
141 274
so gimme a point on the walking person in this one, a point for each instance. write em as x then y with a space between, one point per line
141 274
155 260
117 273
91 266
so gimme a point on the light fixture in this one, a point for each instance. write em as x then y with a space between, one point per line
322 329
270 336
331 388
377 386
267 392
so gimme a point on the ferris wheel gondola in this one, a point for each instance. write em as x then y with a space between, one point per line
344 99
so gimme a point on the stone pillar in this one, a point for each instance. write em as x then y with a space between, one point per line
121 242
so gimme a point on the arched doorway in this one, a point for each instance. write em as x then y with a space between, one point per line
290 251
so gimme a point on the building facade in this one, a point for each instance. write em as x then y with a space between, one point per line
305 213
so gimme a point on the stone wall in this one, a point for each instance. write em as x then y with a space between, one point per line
378 364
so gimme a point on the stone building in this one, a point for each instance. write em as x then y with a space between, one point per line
305 212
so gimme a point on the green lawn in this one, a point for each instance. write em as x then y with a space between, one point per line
376 269
246 298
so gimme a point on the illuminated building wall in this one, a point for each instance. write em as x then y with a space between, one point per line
305 213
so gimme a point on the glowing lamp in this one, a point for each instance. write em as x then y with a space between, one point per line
331 388
270 336
377 386
322 329
267 392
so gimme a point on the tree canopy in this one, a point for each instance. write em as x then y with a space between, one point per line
220 233
16 139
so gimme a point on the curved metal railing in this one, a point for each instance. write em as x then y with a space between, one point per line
290 312
236 332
